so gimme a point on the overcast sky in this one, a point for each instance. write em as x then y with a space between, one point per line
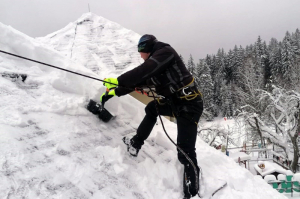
197 27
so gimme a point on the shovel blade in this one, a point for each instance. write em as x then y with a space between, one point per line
104 115
98 109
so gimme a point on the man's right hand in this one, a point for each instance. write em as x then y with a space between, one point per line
110 82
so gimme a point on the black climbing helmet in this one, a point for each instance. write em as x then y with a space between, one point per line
146 43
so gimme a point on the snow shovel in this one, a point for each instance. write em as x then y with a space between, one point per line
98 109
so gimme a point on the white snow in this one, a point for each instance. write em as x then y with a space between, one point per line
52 147
270 168
239 156
101 45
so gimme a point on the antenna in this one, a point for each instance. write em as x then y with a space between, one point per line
89 7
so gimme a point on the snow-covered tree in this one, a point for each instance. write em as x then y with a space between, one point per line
251 79
239 72
182 59
275 61
296 39
229 67
239 54
218 81
204 80
289 57
276 118
217 134
191 65
284 110
259 52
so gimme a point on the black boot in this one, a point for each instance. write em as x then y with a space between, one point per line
133 145
191 182
186 186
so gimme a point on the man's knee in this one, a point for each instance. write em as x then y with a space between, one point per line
151 110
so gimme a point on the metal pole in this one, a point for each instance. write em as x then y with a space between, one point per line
227 145
227 141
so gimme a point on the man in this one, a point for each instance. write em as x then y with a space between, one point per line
164 70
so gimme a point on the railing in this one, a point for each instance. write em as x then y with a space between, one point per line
285 186
269 154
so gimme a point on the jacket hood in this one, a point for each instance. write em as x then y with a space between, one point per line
158 45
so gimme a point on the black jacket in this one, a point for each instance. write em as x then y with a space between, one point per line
163 69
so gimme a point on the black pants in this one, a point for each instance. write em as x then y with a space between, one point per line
187 114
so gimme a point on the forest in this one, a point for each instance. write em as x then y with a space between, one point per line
258 83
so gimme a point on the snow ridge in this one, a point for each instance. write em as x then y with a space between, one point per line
97 43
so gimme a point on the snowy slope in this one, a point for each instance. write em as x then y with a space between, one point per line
52 147
97 43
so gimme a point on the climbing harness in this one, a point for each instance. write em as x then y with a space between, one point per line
189 92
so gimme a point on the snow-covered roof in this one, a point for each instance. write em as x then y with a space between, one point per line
99 44
52 147
239 155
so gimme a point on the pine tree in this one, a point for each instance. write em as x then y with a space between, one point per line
288 55
218 81
240 60
267 68
226 96
214 67
296 39
259 57
259 52
191 65
229 67
182 59
275 61
249 52
237 74
241 56
204 80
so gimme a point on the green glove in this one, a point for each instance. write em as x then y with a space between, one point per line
106 96
111 80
